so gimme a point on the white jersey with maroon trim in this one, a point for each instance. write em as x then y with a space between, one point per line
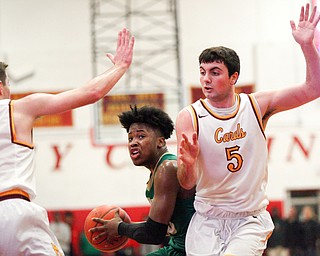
16 157
232 163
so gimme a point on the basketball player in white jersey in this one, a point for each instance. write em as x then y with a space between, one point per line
222 148
24 226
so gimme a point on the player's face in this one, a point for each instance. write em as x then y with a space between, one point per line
215 81
142 144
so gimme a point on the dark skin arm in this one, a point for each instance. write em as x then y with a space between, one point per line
166 190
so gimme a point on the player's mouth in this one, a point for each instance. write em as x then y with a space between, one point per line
134 153
208 88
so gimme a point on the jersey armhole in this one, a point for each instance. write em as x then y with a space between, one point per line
194 118
257 111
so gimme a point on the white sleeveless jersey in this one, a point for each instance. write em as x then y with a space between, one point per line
232 163
16 157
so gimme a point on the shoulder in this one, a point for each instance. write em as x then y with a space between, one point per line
166 174
168 166
184 119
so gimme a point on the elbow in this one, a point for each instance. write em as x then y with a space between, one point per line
94 95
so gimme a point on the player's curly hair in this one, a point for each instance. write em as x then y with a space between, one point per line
150 115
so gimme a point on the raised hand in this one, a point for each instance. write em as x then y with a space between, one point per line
188 150
124 51
304 33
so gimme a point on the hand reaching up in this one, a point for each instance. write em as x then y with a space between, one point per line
124 51
304 33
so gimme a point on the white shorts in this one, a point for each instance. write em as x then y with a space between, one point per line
240 236
24 229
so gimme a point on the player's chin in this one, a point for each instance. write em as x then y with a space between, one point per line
137 161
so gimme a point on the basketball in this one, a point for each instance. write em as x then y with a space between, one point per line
105 212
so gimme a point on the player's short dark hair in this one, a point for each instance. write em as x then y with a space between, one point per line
3 74
155 117
224 55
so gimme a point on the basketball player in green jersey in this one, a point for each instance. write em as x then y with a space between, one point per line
171 205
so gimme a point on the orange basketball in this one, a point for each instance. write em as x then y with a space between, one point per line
105 212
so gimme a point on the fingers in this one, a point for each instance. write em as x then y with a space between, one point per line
117 213
125 39
305 12
131 42
99 220
185 137
306 15
293 25
315 16
301 14
194 138
97 237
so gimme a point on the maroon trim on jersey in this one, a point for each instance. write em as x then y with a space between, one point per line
13 130
195 118
232 115
256 113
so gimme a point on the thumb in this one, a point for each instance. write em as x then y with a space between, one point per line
293 25
117 213
111 57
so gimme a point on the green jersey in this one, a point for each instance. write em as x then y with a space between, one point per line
181 217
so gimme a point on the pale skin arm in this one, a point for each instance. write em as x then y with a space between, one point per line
27 109
188 150
162 206
275 101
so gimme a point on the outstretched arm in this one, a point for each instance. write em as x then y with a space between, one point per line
188 150
272 102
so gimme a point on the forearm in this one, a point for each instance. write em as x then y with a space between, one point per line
149 232
312 68
102 84
187 176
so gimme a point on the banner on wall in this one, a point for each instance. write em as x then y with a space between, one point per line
113 105
56 120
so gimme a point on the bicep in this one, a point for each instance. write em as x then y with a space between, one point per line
184 124
165 194
40 104
275 101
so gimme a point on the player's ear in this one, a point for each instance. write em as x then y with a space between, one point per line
161 142
1 87
234 78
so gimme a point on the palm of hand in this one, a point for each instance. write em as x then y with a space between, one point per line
189 151
304 33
